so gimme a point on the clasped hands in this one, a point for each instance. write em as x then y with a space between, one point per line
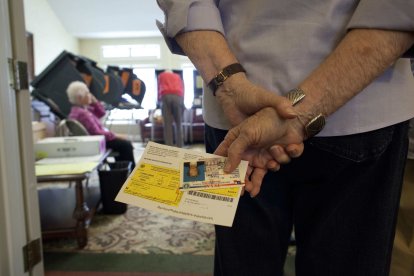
266 131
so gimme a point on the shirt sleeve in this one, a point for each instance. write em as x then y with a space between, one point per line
385 14
97 109
93 127
184 16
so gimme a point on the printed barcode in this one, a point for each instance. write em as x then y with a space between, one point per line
211 196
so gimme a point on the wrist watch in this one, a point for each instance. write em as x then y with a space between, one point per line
316 124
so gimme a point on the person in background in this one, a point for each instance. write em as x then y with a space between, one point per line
338 63
87 110
171 96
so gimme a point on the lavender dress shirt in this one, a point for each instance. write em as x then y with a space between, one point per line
281 42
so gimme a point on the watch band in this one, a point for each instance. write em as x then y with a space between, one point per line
224 75
316 124
295 95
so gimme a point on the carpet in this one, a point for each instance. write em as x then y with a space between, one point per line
141 231
128 263
138 243
86 273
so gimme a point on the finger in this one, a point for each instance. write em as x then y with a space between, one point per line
222 148
247 183
273 165
236 150
295 150
249 171
279 154
226 143
282 105
256 180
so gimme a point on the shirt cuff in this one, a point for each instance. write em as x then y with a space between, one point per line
196 16
384 14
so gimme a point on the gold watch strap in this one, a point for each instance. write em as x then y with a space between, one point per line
317 123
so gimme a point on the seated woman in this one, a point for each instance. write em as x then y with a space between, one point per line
88 110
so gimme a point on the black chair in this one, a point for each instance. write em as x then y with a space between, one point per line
70 127
75 128
49 102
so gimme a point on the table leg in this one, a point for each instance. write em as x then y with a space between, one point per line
81 214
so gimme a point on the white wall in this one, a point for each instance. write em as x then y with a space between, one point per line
51 38
49 35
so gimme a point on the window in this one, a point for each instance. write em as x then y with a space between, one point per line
188 69
147 75
137 51
146 50
115 51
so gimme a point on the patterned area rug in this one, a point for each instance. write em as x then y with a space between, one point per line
138 241
140 231
144 232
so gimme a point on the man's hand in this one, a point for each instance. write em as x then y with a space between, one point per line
240 98
261 131
265 140
262 160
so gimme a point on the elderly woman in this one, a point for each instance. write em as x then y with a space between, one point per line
88 110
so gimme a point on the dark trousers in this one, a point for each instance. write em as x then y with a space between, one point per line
124 149
172 107
342 198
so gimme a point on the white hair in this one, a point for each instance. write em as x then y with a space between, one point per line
76 89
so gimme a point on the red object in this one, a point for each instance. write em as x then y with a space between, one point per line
170 83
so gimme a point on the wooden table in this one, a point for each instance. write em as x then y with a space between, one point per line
54 223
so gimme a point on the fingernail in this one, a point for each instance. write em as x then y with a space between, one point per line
278 150
293 153
291 111
275 169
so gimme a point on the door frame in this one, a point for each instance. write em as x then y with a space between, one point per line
19 208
